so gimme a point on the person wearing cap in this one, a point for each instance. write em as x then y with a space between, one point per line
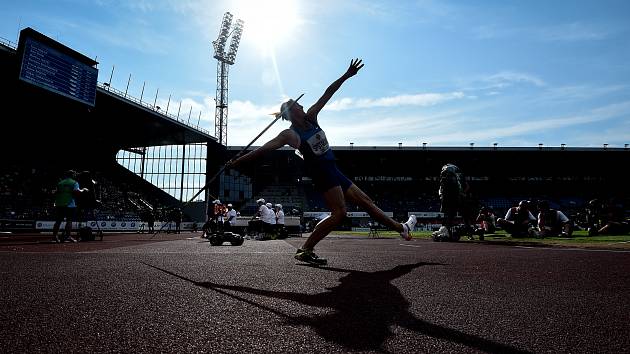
231 217
219 212
210 226
256 223
518 220
269 220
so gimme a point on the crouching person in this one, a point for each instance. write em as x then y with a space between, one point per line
519 221
552 223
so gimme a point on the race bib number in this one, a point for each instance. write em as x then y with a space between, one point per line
318 143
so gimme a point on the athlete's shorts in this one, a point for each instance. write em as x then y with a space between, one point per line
326 175
66 213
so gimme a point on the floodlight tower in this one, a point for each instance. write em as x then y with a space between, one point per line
223 60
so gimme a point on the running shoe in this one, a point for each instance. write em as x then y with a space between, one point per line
408 227
310 257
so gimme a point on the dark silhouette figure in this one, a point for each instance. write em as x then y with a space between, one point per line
365 305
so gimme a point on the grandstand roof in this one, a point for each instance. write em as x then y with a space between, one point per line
116 121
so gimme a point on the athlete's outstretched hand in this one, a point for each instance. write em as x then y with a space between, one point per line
355 65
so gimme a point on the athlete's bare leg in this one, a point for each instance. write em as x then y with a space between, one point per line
336 203
358 197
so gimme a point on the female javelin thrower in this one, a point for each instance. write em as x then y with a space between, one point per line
306 135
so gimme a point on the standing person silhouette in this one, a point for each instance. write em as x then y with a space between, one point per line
65 205
307 136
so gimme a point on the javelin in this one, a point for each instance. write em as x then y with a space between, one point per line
278 116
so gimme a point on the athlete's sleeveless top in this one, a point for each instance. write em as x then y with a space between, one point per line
313 144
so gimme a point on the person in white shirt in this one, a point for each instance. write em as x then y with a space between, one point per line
269 219
519 221
279 216
552 222
280 230
257 223
230 217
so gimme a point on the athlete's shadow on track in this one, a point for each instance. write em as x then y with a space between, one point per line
365 305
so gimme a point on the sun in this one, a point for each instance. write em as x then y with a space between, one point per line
268 23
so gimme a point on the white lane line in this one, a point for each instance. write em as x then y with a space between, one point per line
571 249
402 244
616 243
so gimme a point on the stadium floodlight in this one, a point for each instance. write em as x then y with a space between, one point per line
224 33
224 60
237 32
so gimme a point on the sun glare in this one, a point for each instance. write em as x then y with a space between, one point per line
268 23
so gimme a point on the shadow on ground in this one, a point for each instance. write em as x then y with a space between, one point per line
365 305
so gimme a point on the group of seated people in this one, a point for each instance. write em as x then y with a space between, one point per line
268 220
221 218
519 221
529 219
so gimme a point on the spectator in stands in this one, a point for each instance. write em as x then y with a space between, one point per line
487 222
519 221
306 135
552 222
453 192
231 217
65 204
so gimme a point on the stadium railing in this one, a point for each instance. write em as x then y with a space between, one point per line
107 87
8 43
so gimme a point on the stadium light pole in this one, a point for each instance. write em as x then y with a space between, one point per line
223 60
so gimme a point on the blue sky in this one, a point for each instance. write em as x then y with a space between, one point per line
449 73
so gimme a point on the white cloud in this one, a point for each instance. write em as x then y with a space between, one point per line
364 126
509 78
423 100
502 80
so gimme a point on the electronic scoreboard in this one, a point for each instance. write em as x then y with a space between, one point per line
49 64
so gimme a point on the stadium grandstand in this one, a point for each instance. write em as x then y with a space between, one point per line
144 158
405 180
59 117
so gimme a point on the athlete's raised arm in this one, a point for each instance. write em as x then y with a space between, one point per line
354 67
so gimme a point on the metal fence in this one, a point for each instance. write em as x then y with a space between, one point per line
157 109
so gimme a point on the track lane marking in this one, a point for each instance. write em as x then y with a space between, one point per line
571 249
